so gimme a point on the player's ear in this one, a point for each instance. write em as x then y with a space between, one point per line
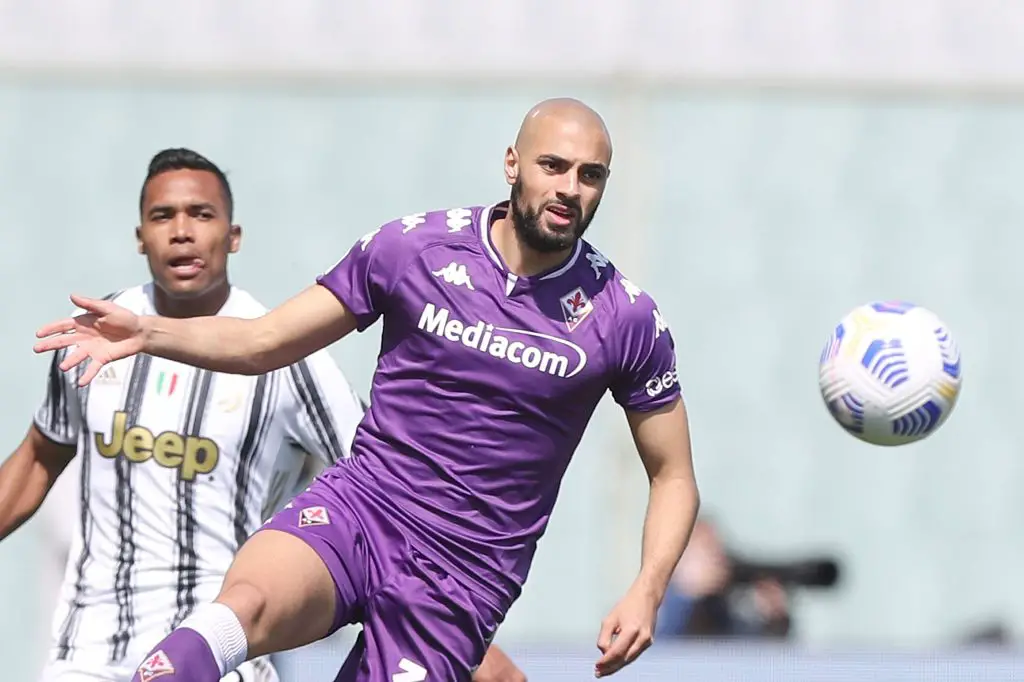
511 165
138 240
234 238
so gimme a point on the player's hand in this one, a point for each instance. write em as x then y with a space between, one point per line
103 333
627 631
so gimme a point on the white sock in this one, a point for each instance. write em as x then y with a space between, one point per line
219 626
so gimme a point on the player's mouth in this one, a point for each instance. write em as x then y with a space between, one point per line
560 215
186 267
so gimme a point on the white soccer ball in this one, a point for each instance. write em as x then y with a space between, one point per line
890 373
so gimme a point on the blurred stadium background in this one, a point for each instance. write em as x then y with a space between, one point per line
776 163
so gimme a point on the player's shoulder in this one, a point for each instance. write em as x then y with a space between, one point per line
426 229
621 293
242 303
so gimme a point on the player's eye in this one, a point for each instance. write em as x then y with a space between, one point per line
593 175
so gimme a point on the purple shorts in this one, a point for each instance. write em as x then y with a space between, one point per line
417 619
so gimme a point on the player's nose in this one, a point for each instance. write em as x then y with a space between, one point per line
182 229
569 188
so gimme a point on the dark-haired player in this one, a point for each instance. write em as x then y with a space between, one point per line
177 465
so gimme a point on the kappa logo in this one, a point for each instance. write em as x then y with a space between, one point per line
632 290
458 218
411 222
455 274
597 262
157 665
576 306
660 325
365 240
314 516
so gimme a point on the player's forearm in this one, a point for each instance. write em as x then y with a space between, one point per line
222 344
24 483
671 513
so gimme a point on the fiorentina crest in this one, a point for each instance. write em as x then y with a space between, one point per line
576 306
155 666
313 516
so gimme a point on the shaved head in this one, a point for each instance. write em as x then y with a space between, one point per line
560 113
558 168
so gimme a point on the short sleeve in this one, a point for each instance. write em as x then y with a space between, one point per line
364 279
325 412
647 376
59 416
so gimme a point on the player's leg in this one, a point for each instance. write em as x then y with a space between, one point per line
421 625
294 582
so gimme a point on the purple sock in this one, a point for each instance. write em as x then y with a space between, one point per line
182 656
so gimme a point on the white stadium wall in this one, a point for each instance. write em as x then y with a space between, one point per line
929 43
756 218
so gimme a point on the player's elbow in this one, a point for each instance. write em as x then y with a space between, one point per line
693 496
678 479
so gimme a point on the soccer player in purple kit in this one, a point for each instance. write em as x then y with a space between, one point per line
502 331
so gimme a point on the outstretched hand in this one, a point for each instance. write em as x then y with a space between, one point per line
626 632
103 333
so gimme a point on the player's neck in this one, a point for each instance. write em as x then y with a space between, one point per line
207 303
519 258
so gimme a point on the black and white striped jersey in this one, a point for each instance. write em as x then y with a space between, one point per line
177 467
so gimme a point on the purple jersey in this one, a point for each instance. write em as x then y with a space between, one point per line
486 381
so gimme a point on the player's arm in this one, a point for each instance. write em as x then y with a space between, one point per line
309 321
647 388
27 476
350 296
662 439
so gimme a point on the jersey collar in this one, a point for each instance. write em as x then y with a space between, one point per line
483 226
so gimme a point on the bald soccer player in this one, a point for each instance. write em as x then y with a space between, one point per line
503 329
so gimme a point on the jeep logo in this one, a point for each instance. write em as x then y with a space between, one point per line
191 455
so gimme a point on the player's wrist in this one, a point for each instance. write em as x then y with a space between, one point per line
651 586
148 331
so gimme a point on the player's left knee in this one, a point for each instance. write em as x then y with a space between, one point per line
249 603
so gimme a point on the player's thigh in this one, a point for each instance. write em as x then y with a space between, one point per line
299 578
257 670
64 671
421 625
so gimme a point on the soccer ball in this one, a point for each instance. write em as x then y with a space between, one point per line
890 373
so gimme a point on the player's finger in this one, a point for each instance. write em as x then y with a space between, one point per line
93 305
58 327
74 358
609 626
56 343
91 370
640 645
614 658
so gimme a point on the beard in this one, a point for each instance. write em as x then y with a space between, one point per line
526 221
